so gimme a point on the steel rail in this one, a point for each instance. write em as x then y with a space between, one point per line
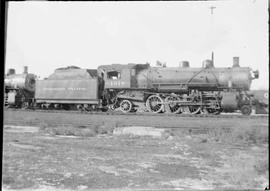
222 115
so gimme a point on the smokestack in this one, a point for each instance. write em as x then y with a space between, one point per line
213 58
11 71
236 62
25 70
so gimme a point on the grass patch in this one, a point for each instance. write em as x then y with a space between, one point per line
250 135
246 172
72 131
261 166
80 130
43 125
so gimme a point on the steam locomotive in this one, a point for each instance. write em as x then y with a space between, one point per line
140 87
179 89
19 89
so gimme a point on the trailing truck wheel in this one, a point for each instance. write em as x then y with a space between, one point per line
246 110
111 107
24 105
125 106
154 104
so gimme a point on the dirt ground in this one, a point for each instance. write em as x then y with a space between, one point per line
70 151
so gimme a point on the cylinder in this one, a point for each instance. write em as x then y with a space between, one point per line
229 101
208 64
236 62
184 64
25 70
11 71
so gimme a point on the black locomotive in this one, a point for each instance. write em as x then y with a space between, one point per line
178 89
140 87
19 89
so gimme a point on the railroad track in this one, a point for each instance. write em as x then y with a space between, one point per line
223 115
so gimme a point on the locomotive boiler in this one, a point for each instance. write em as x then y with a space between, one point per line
19 88
178 89
205 79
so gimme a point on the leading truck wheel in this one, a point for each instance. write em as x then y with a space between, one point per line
154 104
246 110
212 111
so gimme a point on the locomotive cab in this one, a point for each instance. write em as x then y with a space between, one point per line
118 76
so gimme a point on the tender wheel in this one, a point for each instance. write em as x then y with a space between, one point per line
66 107
173 107
79 107
125 106
154 103
44 106
246 110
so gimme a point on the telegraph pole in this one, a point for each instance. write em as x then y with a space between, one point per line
212 9
212 12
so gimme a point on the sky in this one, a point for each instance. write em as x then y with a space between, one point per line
48 35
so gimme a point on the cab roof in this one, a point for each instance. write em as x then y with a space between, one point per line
123 66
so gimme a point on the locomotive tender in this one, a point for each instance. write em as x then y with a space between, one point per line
69 87
134 87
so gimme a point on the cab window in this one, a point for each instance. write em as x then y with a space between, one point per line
113 75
